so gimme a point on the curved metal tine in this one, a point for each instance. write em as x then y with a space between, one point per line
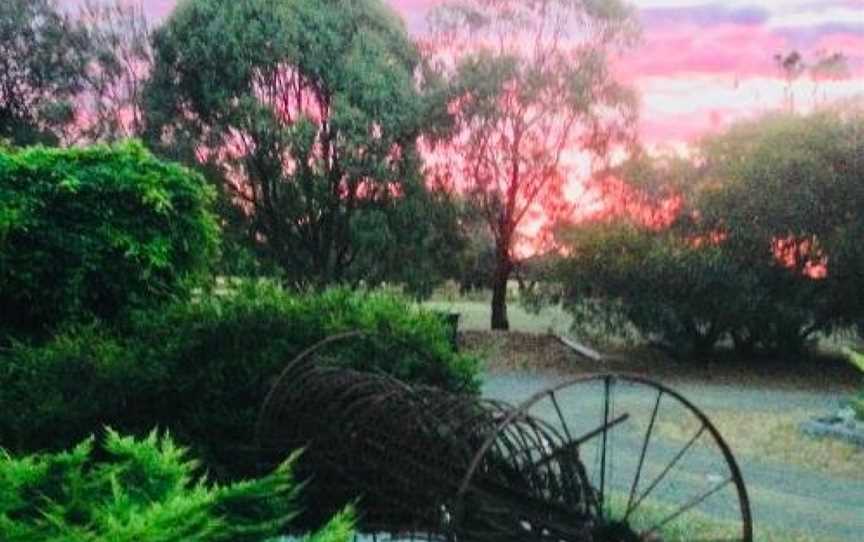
644 449
692 503
665 471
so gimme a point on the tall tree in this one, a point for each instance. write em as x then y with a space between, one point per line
120 58
531 90
42 61
833 67
309 112
791 66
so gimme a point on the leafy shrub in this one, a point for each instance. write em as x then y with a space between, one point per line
144 489
765 249
222 353
857 403
785 193
92 232
673 291
203 367
57 393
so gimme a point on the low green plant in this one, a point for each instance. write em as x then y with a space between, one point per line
201 368
128 489
857 403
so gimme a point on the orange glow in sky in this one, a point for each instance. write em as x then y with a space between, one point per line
703 64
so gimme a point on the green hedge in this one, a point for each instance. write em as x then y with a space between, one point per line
680 295
142 490
202 367
91 232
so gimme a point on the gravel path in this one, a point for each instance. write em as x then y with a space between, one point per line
783 497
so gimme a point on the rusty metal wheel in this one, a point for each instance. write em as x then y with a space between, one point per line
655 468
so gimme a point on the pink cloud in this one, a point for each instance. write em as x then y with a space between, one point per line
851 45
725 47
155 9
413 5
742 50
686 127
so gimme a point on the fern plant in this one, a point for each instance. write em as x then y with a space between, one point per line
143 490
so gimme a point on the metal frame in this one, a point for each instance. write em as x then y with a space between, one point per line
427 464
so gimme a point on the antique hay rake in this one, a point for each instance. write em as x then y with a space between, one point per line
580 461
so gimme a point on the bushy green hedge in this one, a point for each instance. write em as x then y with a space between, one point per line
674 292
146 489
91 232
766 251
202 368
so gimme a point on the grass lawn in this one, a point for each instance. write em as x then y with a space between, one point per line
774 436
696 526
475 316
827 371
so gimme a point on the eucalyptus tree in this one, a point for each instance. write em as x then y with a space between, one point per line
119 61
308 112
531 89
42 64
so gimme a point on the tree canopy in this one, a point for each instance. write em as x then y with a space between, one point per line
530 89
766 250
308 113
42 67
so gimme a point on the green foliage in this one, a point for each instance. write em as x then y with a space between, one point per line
313 125
676 293
520 94
202 368
857 403
767 251
785 193
93 232
142 489
44 57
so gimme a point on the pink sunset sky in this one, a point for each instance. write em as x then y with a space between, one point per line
704 63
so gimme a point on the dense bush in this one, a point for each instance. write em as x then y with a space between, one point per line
202 368
92 232
767 251
675 293
785 193
142 490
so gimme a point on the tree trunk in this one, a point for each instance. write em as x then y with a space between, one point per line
503 267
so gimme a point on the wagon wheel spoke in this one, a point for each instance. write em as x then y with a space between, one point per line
642 453
666 470
648 462
695 501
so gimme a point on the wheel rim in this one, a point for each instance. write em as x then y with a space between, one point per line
658 467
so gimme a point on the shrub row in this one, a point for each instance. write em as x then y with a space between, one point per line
201 368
